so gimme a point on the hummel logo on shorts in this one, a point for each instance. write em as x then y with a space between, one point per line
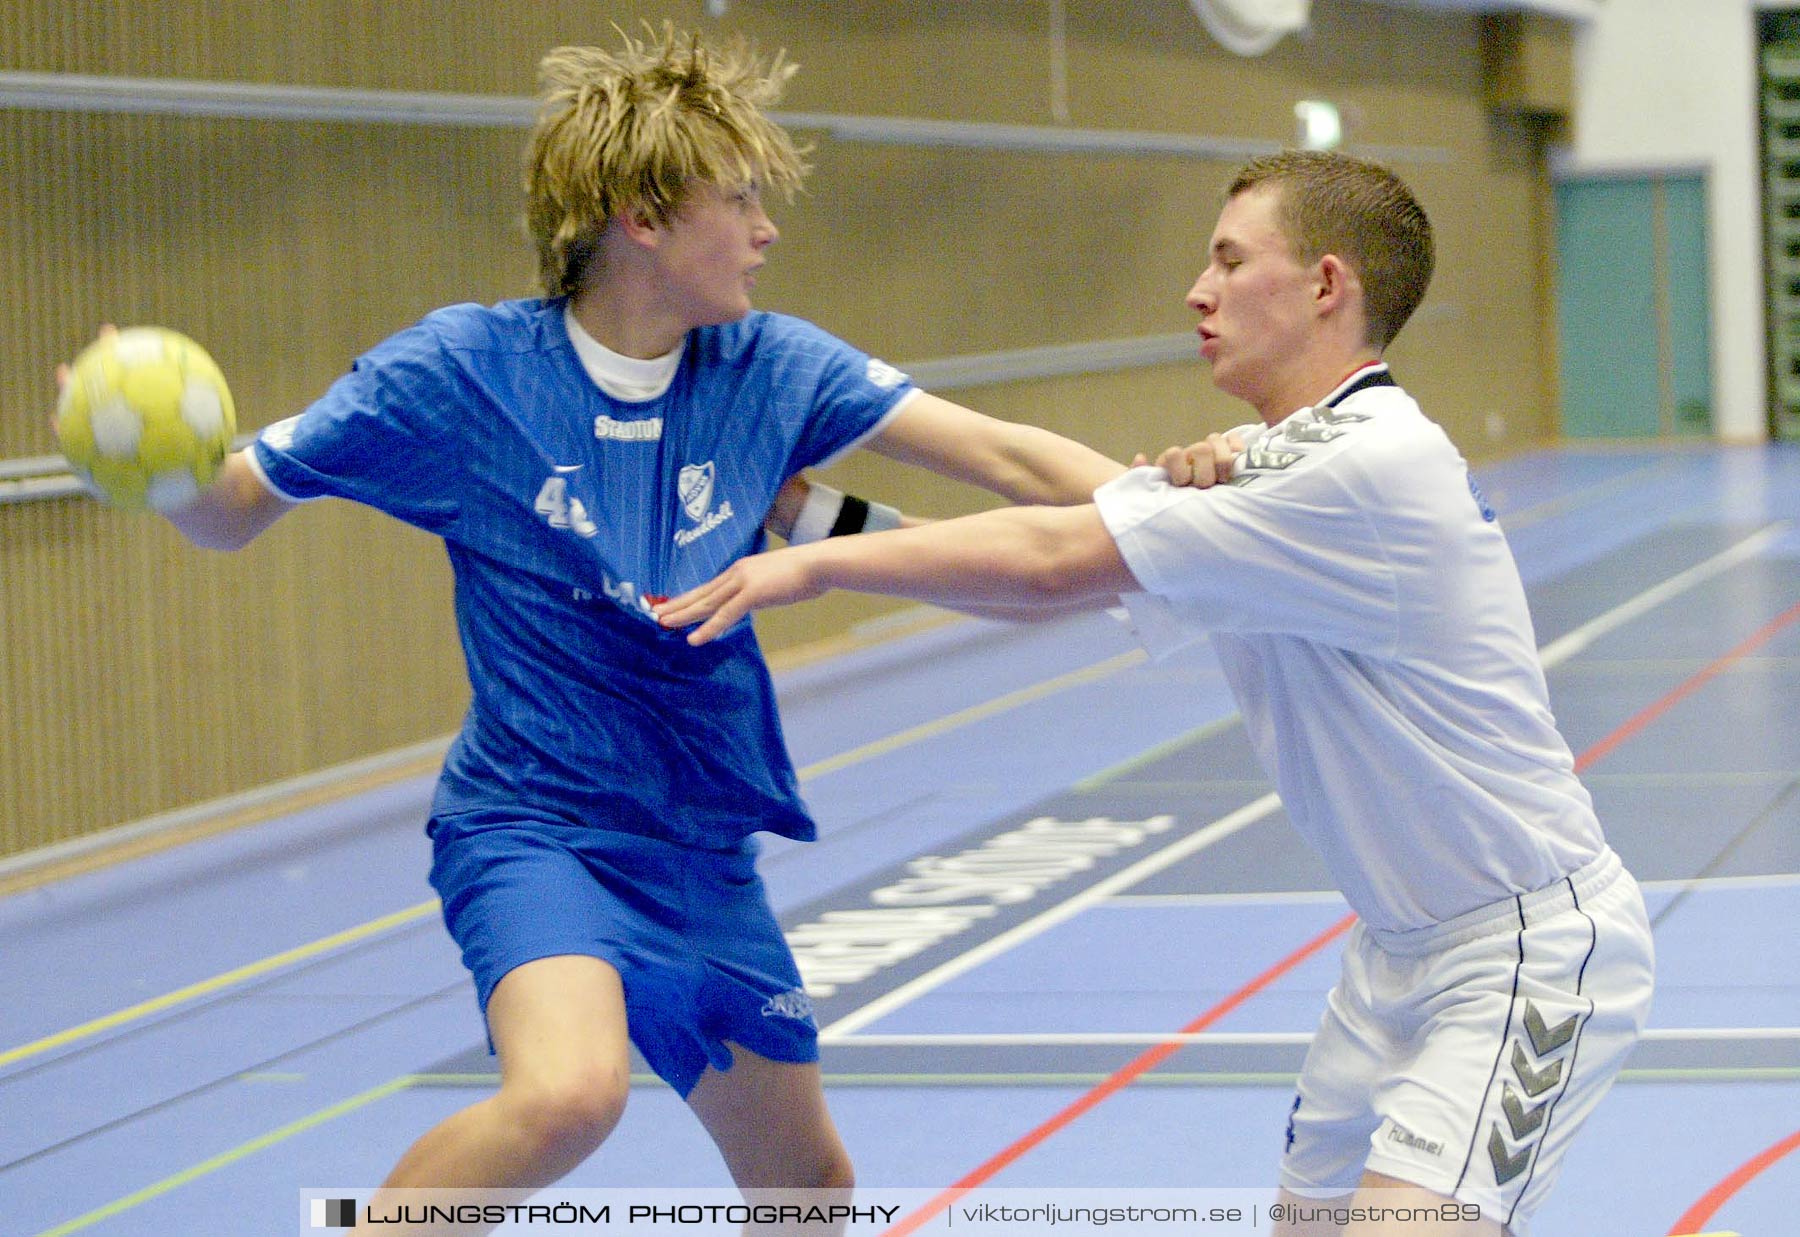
794 1003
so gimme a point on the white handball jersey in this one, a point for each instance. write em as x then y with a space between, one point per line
1372 624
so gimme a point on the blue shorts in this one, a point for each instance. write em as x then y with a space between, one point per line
689 930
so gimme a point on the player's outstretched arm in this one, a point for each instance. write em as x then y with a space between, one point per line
790 501
1026 463
807 510
1013 560
232 511
1022 463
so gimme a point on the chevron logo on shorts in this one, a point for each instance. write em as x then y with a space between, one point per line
1537 1066
1547 1039
1521 1120
1535 1081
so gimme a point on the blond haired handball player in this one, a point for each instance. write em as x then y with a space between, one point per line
1371 621
624 437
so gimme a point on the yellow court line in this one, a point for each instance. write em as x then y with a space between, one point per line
230 1157
217 982
975 713
406 1081
999 704
1199 734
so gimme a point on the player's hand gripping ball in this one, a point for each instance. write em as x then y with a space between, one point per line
145 418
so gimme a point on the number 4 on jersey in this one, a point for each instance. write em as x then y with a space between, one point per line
555 505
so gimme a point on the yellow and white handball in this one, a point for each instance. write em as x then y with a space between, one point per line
145 418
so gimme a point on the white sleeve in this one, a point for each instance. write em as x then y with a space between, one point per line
1157 624
1292 555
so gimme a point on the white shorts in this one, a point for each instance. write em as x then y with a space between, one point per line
1464 1057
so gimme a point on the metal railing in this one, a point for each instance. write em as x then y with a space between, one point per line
78 92
40 477
47 476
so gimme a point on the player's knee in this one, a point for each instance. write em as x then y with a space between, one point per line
567 1117
834 1171
825 1169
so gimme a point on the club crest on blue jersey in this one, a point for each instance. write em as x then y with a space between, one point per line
694 484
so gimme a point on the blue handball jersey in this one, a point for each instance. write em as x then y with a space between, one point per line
565 512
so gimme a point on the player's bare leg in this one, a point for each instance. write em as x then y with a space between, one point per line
1426 1213
769 1121
559 1030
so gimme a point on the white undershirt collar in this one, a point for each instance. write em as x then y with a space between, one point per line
624 378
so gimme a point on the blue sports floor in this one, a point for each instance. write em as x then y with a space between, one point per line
1125 945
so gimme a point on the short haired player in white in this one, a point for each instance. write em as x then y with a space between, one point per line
1373 626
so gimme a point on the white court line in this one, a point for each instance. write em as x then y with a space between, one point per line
1047 1039
1076 1039
229 979
1685 780
1315 897
1588 496
1770 880
1098 892
1551 654
1565 647
1000 704
1677 1034
1303 897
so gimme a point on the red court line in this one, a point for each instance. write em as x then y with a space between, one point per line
1162 1052
1637 724
1143 1064
1715 1198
